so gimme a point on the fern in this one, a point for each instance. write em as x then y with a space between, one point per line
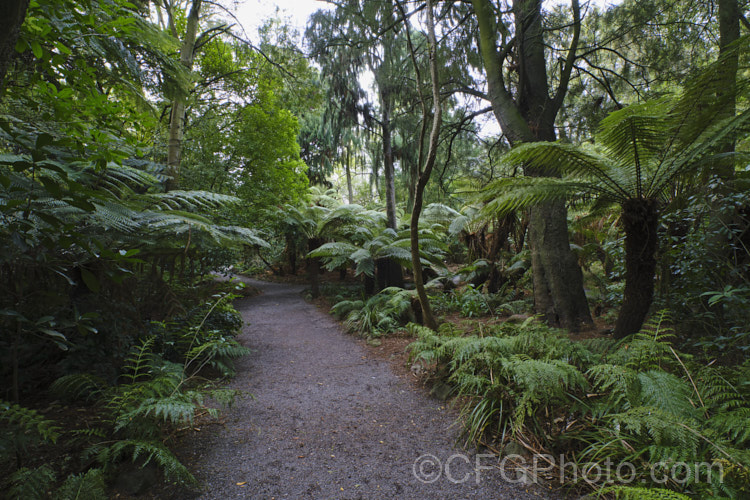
667 437
618 383
87 486
143 452
177 408
78 386
639 493
217 352
667 392
22 426
30 484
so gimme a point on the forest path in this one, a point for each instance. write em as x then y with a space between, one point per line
328 420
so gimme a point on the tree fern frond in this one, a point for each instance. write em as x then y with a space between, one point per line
636 135
567 160
190 200
509 194
690 155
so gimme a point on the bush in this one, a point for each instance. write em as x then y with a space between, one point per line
597 402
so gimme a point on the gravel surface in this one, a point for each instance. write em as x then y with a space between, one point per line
328 420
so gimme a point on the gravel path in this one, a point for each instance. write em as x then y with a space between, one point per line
329 421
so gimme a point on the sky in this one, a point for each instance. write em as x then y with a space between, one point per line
251 13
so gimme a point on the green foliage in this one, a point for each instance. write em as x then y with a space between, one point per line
87 486
636 493
381 314
636 401
362 239
28 421
143 452
30 483
707 290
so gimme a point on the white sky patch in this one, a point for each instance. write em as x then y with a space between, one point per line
251 13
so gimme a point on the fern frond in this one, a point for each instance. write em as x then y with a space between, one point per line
30 484
177 408
78 386
667 392
639 493
148 451
506 195
87 486
619 382
19 420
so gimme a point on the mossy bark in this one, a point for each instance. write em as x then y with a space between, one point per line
528 115
12 14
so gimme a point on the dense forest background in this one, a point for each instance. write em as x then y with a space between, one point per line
553 199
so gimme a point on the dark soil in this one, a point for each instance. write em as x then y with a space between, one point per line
329 418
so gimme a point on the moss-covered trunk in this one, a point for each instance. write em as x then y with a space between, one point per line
528 115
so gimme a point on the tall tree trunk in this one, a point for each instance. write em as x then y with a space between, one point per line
388 167
530 116
726 98
177 115
12 14
424 176
729 33
389 271
640 220
349 189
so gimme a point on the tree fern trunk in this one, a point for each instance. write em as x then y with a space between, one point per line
389 273
313 268
640 219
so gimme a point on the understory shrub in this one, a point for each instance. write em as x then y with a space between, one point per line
161 388
637 401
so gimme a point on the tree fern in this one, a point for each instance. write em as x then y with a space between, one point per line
637 157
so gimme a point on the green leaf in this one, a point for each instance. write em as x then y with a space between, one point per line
36 49
57 337
90 280
43 139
